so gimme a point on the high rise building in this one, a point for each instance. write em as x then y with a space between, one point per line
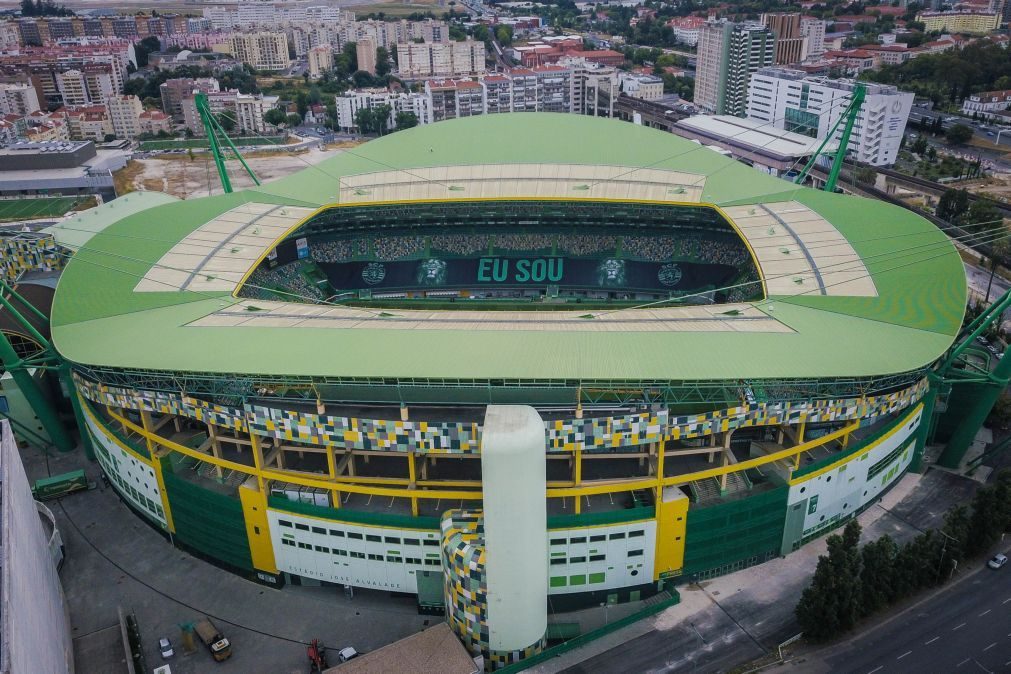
262 50
18 98
448 59
814 31
790 43
728 53
124 112
794 101
321 60
365 49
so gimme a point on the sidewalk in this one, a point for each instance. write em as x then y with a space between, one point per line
736 618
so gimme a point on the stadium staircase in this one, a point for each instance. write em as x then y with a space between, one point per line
708 490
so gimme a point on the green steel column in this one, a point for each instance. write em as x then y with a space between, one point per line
851 117
926 421
82 427
965 432
33 394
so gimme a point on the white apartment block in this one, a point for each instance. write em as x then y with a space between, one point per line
124 113
452 59
246 109
72 88
814 30
18 99
349 103
792 100
10 36
320 60
575 86
365 53
261 50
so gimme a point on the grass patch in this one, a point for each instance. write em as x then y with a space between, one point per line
399 8
123 179
27 209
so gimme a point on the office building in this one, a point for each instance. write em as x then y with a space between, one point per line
794 101
790 47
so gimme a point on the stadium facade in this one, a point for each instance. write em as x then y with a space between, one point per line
501 348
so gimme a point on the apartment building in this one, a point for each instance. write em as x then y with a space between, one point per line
87 122
261 50
970 22
321 60
18 98
175 90
686 29
813 30
728 54
365 51
349 103
790 45
246 109
125 111
644 87
794 101
452 59
986 103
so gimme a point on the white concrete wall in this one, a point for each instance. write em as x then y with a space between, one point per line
34 622
847 487
134 480
607 557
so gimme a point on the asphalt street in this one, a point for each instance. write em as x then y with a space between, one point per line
965 628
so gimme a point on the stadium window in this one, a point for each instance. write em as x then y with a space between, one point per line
558 541
580 539
319 530
355 536
304 546
357 555
372 538
337 532
635 553
341 553
396 560
377 558
617 536
284 523
430 541
558 560
414 560
597 558
577 560
432 562
598 538
635 534
320 548
301 527
391 539
285 541
412 541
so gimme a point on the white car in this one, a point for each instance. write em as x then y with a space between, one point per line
997 562
347 653
165 646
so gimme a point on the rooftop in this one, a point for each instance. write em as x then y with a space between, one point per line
101 318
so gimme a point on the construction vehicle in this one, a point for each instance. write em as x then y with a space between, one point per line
219 646
317 656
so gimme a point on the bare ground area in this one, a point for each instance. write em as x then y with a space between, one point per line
185 178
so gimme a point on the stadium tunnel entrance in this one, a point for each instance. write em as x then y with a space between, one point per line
510 254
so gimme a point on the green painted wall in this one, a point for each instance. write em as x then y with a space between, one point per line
208 522
730 536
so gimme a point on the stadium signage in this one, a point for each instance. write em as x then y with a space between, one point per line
522 270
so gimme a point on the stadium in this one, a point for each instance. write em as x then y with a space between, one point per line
462 357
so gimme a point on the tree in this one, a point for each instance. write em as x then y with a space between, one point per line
920 145
383 64
982 214
959 134
877 575
364 120
275 117
144 48
504 35
227 121
405 120
866 175
830 605
990 515
293 119
952 204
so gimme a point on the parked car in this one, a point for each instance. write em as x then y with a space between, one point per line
165 646
997 562
347 653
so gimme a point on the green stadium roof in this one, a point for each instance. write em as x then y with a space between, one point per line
99 320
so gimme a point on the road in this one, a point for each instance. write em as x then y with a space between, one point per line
965 628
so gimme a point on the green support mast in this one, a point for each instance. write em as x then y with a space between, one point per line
215 136
850 117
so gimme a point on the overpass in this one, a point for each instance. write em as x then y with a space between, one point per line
653 114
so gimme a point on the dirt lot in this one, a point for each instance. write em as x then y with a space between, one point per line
183 177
